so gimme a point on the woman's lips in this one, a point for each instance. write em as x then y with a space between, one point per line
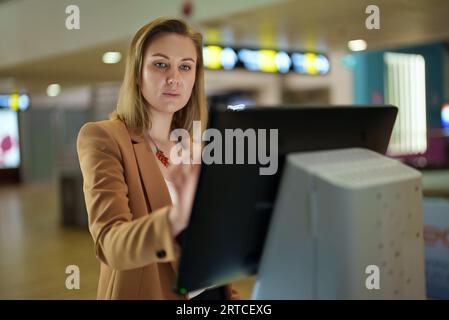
171 94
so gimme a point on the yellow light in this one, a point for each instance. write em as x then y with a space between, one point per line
267 61
267 36
212 57
14 101
212 36
310 64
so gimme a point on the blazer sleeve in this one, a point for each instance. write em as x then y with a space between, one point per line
121 242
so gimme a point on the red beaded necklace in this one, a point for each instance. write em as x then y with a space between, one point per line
160 154
162 157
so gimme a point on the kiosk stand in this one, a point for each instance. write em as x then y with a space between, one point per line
347 224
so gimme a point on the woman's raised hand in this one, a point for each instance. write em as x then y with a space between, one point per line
185 179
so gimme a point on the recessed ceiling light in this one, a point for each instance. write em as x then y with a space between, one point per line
357 45
112 57
53 90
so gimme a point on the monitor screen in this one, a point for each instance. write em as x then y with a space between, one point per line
9 140
234 202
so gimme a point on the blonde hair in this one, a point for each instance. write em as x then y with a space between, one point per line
131 106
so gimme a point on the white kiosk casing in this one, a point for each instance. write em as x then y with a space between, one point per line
338 212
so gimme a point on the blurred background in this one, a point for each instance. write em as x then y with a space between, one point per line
56 74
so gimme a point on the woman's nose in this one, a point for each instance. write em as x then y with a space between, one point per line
172 81
173 78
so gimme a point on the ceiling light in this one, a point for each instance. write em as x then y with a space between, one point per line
357 45
112 57
53 90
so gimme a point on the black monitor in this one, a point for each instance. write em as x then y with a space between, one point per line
233 203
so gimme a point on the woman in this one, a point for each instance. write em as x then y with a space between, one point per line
137 201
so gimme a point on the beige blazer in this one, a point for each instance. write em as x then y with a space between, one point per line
127 202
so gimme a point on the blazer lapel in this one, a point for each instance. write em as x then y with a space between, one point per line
152 178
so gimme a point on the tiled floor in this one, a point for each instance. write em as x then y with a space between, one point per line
35 249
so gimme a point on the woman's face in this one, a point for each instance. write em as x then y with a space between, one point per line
168 72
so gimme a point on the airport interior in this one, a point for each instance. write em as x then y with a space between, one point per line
62 65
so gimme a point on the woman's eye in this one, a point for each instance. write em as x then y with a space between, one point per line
160 65
185 67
